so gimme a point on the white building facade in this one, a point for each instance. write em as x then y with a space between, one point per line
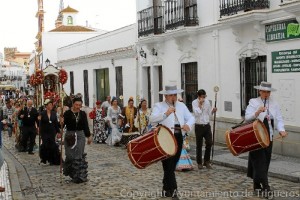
66 33
234 45
95 65
198 44
14 74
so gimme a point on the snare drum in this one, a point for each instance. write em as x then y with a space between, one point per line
152 147
247 137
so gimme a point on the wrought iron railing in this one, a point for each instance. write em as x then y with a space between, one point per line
150 21
190 13
231 7
180 12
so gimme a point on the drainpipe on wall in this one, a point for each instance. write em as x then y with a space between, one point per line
217 63
137 89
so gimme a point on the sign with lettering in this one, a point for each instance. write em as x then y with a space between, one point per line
284 30
286 61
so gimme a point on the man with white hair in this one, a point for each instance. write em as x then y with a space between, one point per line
8 111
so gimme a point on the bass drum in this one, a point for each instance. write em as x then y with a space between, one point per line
247 137
152 147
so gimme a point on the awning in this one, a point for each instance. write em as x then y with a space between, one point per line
7 87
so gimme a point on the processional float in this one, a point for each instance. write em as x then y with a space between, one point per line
48 84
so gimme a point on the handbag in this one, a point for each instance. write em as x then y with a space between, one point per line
70 139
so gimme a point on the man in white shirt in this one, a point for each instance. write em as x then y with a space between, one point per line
8 111
268 111
106 104
202 112
176 116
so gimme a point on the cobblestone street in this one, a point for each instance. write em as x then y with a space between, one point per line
112 176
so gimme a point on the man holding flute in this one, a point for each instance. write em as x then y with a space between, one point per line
176 116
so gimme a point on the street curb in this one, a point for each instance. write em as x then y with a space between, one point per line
13 176
244 169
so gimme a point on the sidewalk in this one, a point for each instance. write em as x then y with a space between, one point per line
286 168
4 182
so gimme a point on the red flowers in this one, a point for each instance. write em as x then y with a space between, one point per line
51 95
92 114
62 76
37 78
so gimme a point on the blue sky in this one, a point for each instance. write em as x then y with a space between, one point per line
18 24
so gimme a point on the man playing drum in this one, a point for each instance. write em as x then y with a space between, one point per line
176 116
267 110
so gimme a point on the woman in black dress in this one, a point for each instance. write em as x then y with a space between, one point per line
48 130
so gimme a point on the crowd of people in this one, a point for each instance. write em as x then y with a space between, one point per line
116 125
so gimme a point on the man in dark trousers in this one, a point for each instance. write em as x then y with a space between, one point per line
202 112
29 117
176 116
266 109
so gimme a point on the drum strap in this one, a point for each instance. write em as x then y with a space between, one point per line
269 125
268 117
240 124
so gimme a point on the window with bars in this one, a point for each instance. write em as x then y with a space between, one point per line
119 81
189 82
70 20
190 12
72 82
180 12
232 7
86 87
252 73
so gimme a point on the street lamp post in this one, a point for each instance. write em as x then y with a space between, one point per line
47 62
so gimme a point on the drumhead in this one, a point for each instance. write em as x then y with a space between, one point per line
166 141
263 133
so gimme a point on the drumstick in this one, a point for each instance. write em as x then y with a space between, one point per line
278 137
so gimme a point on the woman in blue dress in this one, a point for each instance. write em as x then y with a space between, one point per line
184 163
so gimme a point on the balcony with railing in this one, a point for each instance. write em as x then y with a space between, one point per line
180 13
150 21
232 7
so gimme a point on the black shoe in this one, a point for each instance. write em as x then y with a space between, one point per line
175 197
257 193
31 153
166 193
268 193
200 166
117 144
207 164
257 186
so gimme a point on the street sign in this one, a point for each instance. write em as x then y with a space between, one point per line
286 61
284 30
